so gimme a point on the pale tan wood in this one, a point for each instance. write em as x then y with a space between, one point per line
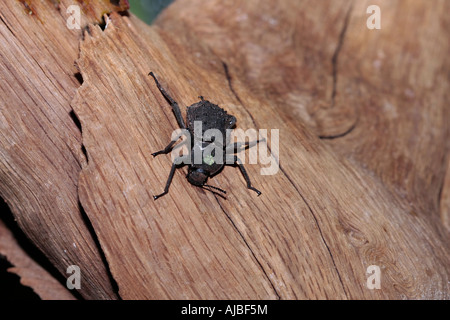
376 97
379 96
319 224
356 187
445 199
31 274
40 145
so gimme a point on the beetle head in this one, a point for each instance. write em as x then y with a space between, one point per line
197 177
230 122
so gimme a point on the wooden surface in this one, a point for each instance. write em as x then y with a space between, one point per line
31 273
363 152
40 143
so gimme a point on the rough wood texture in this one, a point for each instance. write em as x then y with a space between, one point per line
362 151
31 274
378 97
445 198
40 144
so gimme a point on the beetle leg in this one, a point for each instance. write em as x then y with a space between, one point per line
176 162
235 147
244 173
175 108
169 147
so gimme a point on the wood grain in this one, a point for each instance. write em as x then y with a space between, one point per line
364 92
40 153
362 154
445 198
319 224
31 274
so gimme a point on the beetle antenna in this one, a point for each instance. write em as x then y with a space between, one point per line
207 185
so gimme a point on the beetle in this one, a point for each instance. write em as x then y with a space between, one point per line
211 116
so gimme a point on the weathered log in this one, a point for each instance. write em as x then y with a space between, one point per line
362 152
31 273
40 144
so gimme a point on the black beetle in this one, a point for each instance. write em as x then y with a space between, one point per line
211 116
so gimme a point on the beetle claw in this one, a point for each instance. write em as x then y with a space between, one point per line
159 195
256 190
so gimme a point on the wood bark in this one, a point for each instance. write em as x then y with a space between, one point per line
362 151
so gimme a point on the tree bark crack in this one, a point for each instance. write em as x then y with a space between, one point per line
320 230
334 62
248 246
7 26
334 59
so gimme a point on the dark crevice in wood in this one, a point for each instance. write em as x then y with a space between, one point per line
318 227
228 77
29 248
83 149
102 24
87 222
75 120
340 135
7 26
334 62
230 85
249 248
79 77
334 59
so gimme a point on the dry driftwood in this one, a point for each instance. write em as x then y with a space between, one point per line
40 144
362 152
31 274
